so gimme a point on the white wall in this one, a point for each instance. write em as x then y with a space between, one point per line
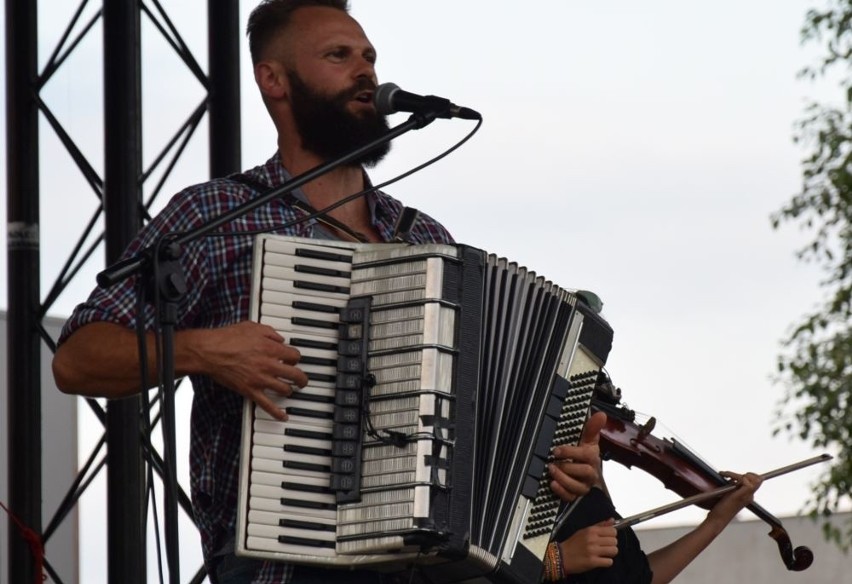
745 553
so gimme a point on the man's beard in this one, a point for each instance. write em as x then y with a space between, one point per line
328 129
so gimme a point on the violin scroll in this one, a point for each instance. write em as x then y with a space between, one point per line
796 559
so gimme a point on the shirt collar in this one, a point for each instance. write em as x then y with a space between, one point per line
380 213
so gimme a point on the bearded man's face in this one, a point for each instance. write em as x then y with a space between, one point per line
329 129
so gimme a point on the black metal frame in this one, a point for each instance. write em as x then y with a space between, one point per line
120 193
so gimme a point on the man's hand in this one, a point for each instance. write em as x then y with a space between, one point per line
589 548
578 468
249 358
101 359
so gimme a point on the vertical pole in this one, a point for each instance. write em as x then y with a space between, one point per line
122 199
23 344
223 18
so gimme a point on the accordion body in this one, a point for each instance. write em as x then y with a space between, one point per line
440 378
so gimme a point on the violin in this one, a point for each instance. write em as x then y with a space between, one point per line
632 444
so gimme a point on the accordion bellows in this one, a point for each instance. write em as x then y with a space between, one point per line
441 377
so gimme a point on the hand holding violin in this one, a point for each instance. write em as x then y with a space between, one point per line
576 469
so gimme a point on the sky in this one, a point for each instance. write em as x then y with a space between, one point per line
634 149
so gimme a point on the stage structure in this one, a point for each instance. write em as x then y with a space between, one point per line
124 193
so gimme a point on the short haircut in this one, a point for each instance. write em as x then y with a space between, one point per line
271 16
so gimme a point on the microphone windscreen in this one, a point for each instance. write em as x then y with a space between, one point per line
383 98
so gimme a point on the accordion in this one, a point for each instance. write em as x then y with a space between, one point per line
440 378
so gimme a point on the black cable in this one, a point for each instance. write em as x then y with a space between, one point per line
142 343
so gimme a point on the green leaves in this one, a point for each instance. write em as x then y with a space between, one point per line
816 363
832 27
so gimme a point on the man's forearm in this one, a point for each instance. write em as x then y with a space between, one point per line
102 360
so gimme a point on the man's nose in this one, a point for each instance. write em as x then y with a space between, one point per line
365 69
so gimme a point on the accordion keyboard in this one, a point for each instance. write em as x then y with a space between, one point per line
292 507
294 501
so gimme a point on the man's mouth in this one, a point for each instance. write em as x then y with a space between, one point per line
364 96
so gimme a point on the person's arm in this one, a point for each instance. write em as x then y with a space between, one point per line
667 562
101 359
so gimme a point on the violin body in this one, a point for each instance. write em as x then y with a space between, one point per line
632 444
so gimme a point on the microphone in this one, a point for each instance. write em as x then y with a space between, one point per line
389 99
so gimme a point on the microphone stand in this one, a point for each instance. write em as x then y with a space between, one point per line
159 264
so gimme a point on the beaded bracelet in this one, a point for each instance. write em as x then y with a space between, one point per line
560 570
553 570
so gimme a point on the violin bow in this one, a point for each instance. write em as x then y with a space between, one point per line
656 512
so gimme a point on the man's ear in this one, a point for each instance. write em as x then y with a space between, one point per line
272 79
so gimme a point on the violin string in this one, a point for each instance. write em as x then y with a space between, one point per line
661 430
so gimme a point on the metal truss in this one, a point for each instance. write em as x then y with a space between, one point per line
120 211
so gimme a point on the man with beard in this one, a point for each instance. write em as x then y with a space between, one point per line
314 67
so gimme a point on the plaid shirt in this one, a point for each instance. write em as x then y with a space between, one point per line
218 273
